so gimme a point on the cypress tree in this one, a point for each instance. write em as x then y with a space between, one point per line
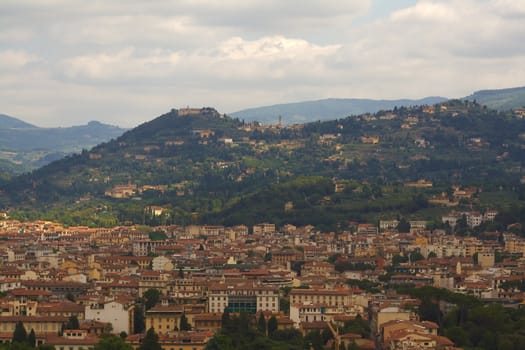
150 341
31 339
184 325
261 324
272 325
20 333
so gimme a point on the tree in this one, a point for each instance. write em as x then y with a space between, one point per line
111 342
46 347
261 324
20 333
272 325
152 297
353 345
398 259
220 342
138 319
284 305
184 324
314 340
403 226
416 256
72 323
31 339
150 341
19 346
326 334
226 322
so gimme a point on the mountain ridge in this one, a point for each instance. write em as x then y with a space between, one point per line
500 99
325 109
8 122
24 147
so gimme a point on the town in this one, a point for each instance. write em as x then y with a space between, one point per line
69 286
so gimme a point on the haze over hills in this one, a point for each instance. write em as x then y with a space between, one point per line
204 167
326 109
502 99
333 108
24 147
7 122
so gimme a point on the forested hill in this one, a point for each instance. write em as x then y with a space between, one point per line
203 167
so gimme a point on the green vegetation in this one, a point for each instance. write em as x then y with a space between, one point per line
151 298
150 341
286 175
241 332
471 324
112 342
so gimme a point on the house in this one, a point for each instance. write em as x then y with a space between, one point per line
421 183
164 318
121 191
73 339
329 297
370 139
263 228
184 340
391 327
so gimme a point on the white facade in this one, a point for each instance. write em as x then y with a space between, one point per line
112 312
260 298
161 263
307 313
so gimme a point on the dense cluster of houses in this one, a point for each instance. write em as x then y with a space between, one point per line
49 273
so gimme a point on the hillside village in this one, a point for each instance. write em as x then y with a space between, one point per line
201 166
302 278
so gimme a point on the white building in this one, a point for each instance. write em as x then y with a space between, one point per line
161 263
118 314
242 298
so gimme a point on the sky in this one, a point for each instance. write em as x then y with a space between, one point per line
124 62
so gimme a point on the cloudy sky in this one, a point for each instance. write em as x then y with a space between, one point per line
123 62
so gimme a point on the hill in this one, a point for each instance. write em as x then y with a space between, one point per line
503 99
7 122
198 166
24 147
327 109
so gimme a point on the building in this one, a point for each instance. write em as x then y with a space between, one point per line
118 314
329 297
242 298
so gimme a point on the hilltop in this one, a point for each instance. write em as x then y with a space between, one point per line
502 99
7 122
200 166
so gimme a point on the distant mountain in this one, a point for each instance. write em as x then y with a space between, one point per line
7 122
502 99
327 109
24 147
